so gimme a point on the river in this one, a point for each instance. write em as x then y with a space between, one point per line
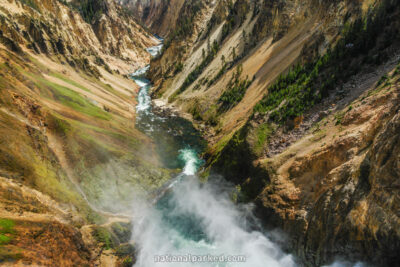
190 223
193 223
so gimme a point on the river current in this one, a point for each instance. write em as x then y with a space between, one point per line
193 223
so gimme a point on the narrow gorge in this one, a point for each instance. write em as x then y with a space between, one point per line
199 133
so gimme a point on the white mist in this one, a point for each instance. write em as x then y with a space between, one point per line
222 223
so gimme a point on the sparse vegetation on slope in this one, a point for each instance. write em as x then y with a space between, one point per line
235 90
237 15
185 22
66 134
363 42
91 10
211 53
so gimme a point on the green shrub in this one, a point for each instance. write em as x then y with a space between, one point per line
382 80
196 112
103 235
91 10
178 67
6 231
211 116
263 132
127 262
235 91
339 117
122 230
60 126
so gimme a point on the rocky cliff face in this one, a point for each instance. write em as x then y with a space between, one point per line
159 16
68 146
295 98
180 44
53 28
265 37
334 190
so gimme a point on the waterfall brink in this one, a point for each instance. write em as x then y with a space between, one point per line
198 224
191 160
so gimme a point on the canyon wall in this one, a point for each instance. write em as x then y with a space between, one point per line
158 15
295 99
69 150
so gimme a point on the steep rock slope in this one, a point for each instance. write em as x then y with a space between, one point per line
310 144
53 28
334 190
69 148
159 16
295 97
265 37
182 44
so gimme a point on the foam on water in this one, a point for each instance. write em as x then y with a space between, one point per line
155 50
192 162
199 219
144 100
140 72
141 82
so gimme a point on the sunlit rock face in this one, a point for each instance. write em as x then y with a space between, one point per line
312 173
70 154
158 15
80 142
